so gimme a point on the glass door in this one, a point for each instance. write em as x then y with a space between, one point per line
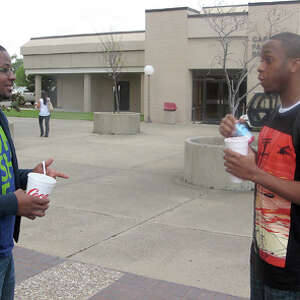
123 92
214 103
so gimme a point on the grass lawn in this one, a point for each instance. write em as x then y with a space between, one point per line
33 113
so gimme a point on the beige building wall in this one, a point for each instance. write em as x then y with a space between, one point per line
102 92
102 96
200 26
178 41
263 24
166 49
70 92
131 59
204 50
206 53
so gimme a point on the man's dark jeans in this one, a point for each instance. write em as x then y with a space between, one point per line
7 277
260 291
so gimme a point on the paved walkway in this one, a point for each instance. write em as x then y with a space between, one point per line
125 225
41 276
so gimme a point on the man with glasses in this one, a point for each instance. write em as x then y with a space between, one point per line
14 202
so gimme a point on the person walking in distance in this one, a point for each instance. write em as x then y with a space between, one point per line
14 202
44 105
275 170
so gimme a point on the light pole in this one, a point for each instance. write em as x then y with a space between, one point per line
148 70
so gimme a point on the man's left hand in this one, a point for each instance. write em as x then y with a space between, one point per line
50 172
242 166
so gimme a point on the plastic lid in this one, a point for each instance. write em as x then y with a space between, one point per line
42 178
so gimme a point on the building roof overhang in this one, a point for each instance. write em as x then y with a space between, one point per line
172 9
84 43
273 3
56 71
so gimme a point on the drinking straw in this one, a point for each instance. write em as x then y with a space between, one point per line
44 167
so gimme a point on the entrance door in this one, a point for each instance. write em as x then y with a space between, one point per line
197 108
123 90
214 100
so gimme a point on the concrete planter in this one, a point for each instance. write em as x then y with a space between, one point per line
116 123
204 164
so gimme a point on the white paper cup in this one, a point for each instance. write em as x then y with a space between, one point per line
40 185
238 144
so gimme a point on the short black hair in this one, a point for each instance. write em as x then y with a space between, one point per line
290 41
2 49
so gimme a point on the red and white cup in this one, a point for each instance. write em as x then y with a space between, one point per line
40 185
238 144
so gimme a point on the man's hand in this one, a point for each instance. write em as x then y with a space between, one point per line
50 172
242 166
30 206
227 126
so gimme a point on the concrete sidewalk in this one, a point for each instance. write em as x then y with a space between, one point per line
126 218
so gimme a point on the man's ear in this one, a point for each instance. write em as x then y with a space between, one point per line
295 65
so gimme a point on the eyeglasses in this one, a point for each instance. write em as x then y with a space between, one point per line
6 71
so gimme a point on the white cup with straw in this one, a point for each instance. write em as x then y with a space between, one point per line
238 144
40 185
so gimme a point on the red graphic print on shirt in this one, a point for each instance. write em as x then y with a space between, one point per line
276 155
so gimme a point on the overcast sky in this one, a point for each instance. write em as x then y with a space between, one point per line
34 18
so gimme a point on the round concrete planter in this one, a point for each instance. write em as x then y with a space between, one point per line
116 123
204 165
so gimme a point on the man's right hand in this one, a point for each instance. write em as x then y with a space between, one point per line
30 206
227 126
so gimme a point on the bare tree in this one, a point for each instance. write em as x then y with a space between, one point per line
273 24
113 58
275 17
228 23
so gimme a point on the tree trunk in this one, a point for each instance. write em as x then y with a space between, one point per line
117 95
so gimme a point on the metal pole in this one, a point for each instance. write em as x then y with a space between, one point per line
149 119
